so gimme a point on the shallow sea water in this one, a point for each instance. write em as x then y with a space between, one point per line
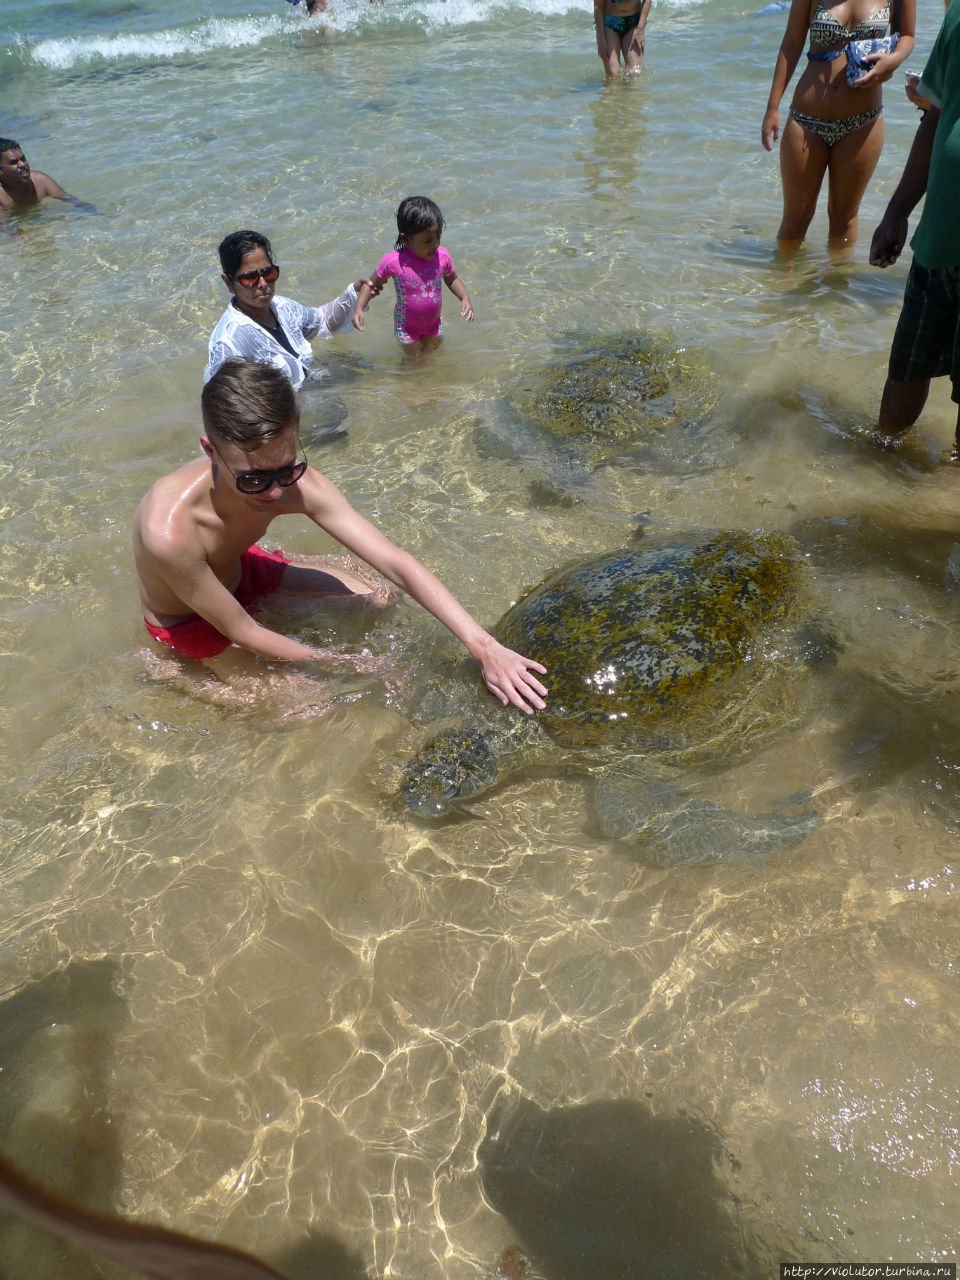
245 995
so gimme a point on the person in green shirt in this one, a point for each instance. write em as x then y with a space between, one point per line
927 340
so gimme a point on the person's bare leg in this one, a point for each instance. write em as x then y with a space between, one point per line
803 163
238 681
632 48
901 405
852 162
611 60
338 582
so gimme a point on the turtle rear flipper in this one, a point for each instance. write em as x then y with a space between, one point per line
676 827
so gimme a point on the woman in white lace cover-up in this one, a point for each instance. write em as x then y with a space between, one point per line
260 325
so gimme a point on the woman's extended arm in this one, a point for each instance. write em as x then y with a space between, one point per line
598 23
644 15
791 47
366 289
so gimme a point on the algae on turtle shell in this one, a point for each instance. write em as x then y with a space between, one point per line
610 390
658 657
631 398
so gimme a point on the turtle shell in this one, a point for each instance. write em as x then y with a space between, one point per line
660 644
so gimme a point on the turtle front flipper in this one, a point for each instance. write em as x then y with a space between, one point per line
468 760
677 828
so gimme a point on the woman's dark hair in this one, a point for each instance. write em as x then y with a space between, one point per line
247 403
234 248
416 213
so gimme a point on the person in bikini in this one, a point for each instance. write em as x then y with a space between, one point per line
621 34
835 128
202 576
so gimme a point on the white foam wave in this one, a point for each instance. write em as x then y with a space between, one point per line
343 15
217 33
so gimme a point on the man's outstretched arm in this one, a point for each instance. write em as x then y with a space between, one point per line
891 235
509 676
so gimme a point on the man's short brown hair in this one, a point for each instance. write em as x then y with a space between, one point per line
247 403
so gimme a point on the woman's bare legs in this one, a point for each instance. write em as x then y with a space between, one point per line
629 47
632 48
611 57
852 162
804 161
803 164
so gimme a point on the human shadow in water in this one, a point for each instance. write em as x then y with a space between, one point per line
610 1189
56 1059
59 1189
155 1251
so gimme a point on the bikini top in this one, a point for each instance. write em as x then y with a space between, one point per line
827 32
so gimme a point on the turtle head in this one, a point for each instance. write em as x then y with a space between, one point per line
452 767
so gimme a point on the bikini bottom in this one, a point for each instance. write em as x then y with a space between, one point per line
832 131
621 25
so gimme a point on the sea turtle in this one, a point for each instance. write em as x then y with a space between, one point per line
658 657
630 398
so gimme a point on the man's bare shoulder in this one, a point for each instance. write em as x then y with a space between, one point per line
171 515
317 494
44 185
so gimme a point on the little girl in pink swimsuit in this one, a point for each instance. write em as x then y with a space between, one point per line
418 266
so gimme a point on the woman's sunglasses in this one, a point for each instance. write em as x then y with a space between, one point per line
261 481
249 278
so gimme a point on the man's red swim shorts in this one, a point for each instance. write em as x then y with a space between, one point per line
260 575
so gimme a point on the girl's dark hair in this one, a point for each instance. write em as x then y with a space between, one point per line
235 247
247 404
416 213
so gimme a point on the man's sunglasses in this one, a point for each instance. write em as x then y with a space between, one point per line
261 481
249 278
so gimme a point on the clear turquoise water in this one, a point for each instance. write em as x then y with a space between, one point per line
314 1002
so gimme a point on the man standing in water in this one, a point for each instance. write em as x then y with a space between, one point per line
927 340
202 576
21 186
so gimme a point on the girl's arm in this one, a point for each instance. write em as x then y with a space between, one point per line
598 23
644 15
798 23
885 64
458 289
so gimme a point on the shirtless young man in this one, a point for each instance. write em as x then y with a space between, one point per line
201 576
21 186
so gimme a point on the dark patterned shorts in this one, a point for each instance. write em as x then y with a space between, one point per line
927 341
